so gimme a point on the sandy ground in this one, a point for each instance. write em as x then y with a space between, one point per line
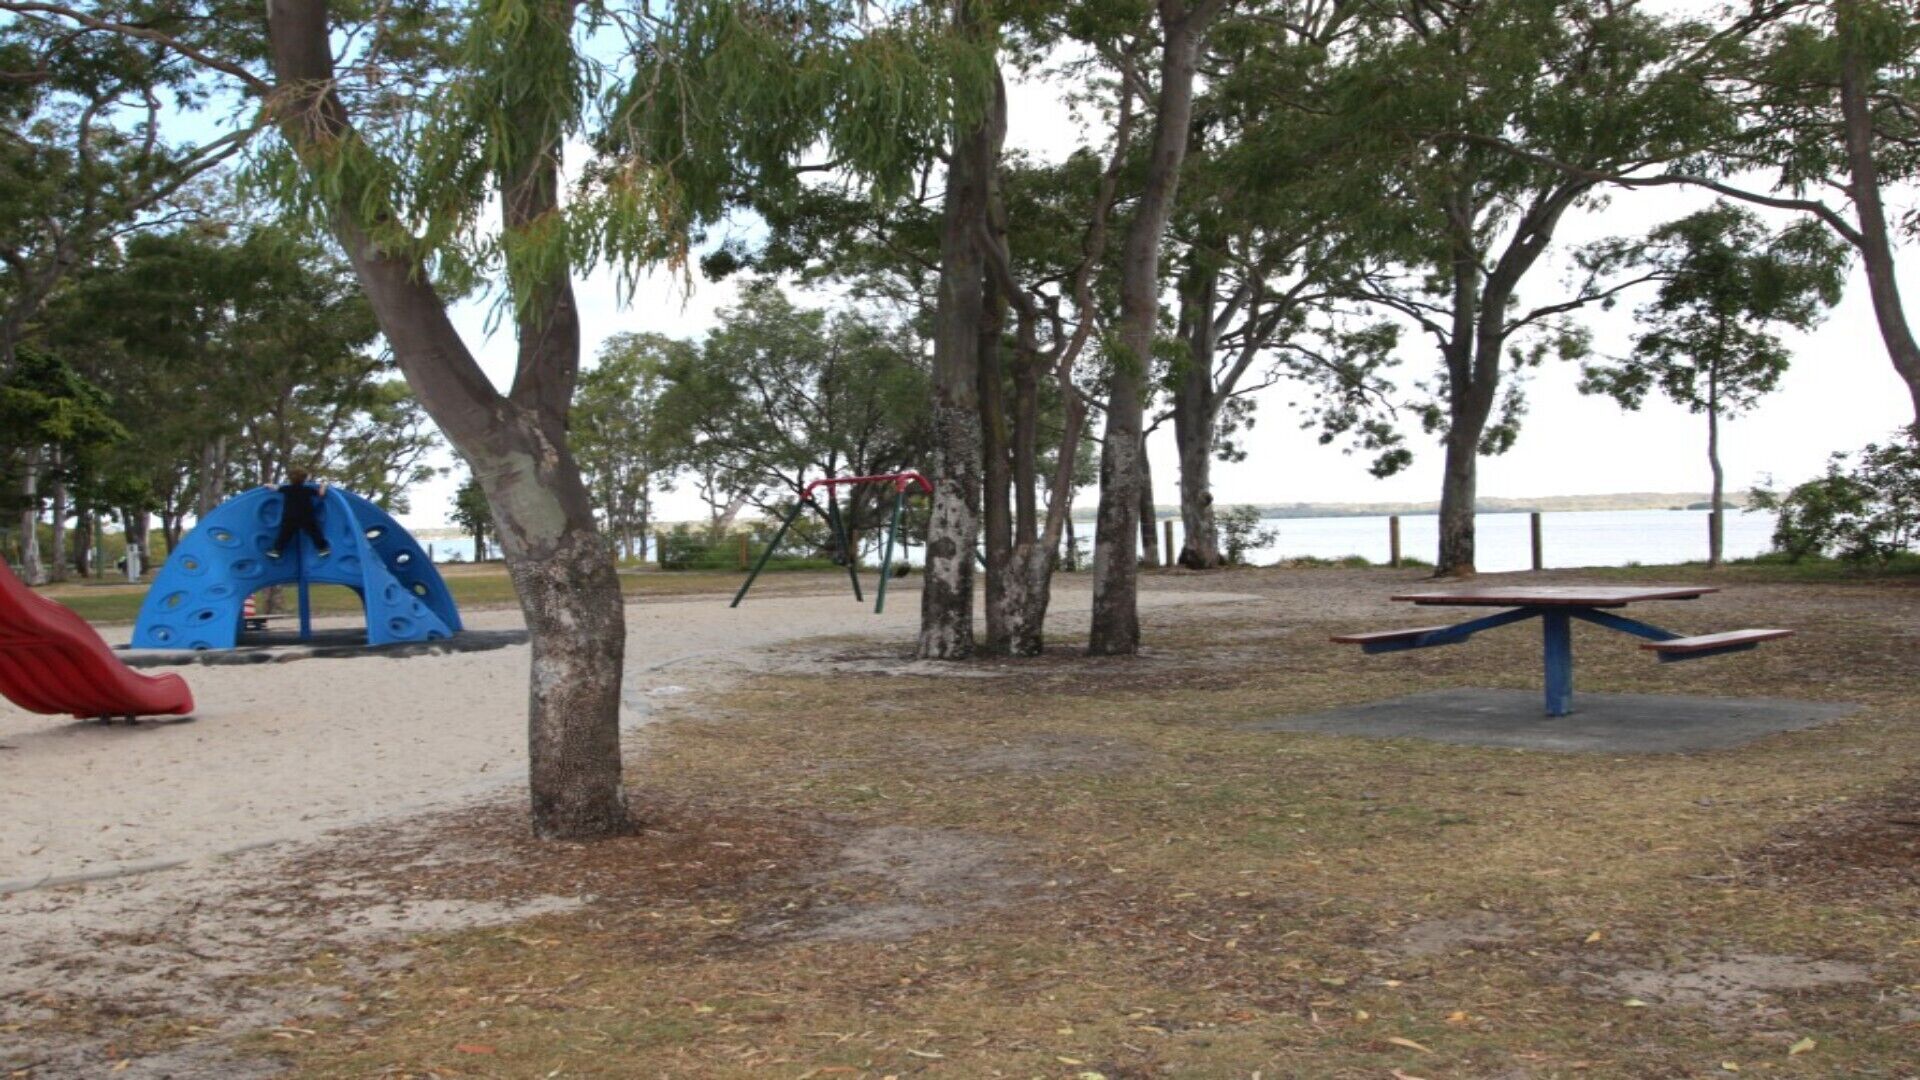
280 756
283 752
137 864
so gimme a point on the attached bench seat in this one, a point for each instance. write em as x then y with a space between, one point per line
1689 648
1387 640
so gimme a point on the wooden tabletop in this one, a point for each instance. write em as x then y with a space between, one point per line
1554 595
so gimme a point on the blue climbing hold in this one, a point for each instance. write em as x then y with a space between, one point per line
198 599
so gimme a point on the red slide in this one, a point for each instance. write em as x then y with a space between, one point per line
52 661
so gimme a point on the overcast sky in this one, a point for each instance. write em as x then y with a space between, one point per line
1840 393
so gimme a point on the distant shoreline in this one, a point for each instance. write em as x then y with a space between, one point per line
1546 504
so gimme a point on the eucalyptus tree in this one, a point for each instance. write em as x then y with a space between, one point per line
1823 98
1262 253
616 421
1706 340
431 149
54 423
1179 32
86 107
1431 101
781 395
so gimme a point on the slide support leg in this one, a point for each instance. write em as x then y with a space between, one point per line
886 557
761 564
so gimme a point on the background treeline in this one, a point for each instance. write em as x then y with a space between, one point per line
1368 198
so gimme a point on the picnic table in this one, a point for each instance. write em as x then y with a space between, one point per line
1556 606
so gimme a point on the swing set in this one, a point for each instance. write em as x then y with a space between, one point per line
902 483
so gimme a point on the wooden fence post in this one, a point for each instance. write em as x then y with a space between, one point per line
660 549
1539 562
1166 549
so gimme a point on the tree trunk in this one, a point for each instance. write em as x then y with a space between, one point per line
31 571
213 477
83 543
139 524
996 503
1194 417
517 444
960 313
1116 614
1200 548
1876 245
1149 513
1716 520
57 553
1457 494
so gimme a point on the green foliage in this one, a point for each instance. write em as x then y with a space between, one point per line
85 153
615 428
1443 133
1241 532
472 513
1784 82
780 395
1705 341
1866 509
260 347
49 410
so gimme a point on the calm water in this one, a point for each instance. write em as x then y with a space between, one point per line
1587 538
1501 541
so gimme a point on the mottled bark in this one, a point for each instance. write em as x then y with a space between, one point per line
561 567
31 571
1116 617
960 311
57 509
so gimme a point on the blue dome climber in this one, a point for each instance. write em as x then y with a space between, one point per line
198 599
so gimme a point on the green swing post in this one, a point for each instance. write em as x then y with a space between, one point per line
886 557
772 545
846 548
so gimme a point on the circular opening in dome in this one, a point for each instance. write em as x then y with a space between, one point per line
162 634
174 600
247 568
401 627
403 558
419 588
204 615
376 532
391 593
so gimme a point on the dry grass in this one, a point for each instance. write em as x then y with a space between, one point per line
474 588
1068 868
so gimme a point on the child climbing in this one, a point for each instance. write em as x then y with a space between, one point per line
300 513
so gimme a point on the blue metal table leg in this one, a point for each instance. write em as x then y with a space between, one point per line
1557 633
